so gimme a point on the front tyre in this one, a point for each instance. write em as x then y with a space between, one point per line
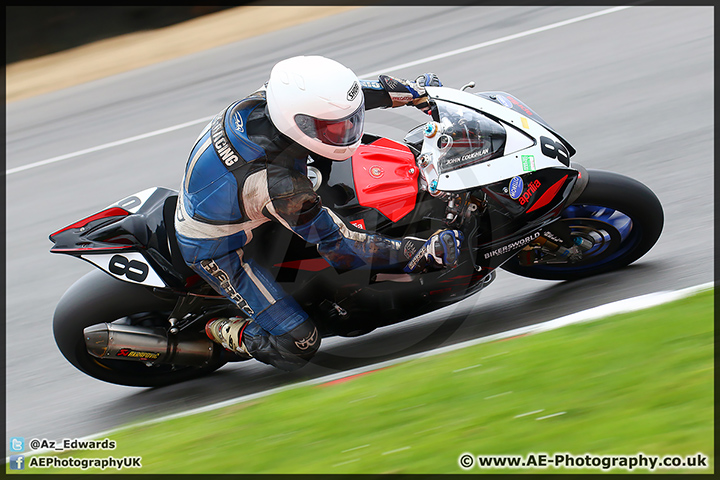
615 221
99 298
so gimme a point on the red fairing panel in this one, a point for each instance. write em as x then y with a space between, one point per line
386 178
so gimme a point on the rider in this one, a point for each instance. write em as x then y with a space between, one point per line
249 167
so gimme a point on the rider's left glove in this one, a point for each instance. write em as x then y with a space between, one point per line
440 250
404 92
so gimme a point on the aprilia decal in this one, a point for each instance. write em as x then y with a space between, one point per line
531 188
358 223
520 106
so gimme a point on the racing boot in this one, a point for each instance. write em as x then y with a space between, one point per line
228 333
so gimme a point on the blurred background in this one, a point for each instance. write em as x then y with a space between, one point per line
33 32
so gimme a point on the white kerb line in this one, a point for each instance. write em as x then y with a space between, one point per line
377 72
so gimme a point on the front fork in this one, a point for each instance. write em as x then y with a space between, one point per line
556 243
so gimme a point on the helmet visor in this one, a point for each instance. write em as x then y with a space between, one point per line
341 132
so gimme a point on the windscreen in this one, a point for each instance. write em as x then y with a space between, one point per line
467 137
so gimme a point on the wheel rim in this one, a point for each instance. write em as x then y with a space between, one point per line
612 233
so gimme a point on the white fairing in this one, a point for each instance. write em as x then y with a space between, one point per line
133 203
495 170
128 267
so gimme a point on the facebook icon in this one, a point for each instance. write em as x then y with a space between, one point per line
17 462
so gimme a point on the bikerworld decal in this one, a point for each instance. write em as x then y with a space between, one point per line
512 246
213 269
308 341
127 352
515 188
531 189
352 93
221 143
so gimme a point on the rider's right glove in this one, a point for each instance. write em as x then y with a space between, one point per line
440 250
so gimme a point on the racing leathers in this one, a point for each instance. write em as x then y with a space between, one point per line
241 173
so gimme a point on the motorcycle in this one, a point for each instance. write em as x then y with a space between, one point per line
486 165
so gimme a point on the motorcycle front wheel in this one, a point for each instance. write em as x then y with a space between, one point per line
615 221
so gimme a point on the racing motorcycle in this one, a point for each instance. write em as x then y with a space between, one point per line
486 164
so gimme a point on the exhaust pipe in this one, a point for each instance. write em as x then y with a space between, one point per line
145 344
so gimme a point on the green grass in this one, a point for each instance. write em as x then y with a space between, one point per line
639 382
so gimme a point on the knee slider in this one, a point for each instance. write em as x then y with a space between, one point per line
302 341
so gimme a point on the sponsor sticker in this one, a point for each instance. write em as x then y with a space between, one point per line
360 223
516 188
352 93
308 341
127 352
504 101
531 189
528 163
512 246
376 172
237 119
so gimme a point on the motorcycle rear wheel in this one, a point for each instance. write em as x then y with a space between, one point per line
620 216
99 298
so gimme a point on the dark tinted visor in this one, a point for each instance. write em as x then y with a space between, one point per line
341 132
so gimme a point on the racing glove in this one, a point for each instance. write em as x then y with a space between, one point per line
440 250
404 92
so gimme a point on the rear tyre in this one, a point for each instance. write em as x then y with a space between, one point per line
99 298
619 216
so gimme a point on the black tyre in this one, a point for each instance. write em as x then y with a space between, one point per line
619 216
99 298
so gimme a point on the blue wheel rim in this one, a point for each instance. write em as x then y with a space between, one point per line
612 233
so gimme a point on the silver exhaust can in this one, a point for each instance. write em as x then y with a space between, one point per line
146 344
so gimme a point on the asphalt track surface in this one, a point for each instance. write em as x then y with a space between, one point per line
630 97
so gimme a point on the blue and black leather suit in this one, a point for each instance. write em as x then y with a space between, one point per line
241 173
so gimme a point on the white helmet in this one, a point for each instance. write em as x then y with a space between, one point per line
318 103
